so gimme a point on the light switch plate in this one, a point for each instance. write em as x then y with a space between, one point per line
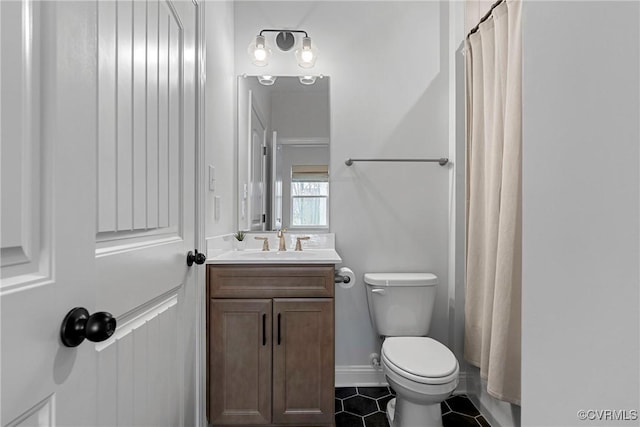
216 208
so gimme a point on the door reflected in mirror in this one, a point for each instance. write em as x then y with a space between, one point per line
283 153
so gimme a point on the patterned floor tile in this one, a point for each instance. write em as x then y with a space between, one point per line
344 392
382 403
377 419
360 405
462 405
482 421
366 407
453 419
374 392
344 419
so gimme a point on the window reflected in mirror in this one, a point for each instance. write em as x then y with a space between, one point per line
309 196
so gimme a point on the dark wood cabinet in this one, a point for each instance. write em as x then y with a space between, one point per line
303 368
270 360
240 352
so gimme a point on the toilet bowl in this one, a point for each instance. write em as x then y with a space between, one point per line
422 371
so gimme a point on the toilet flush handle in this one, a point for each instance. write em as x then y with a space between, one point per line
379 291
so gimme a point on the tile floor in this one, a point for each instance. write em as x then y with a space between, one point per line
365 407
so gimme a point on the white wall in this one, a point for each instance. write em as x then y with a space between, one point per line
220 114
301 114
389 69
474 12
581 210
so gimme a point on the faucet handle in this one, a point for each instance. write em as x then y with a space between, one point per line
265 243
299 244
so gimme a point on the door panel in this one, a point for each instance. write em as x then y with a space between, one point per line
146 151
98 195
21 164
46 255
240 361
42 414
146 148
257 172
138 355
303 360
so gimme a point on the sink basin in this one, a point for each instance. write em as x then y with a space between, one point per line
309 256
278 255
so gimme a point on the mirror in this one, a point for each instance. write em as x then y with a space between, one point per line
283 153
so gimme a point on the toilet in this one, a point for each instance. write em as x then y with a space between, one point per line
422 371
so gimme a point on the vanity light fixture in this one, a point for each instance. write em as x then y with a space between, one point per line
259 52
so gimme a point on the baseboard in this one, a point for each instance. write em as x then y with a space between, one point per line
463 387
359 375
368 376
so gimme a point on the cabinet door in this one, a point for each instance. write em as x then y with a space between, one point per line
303 361
240 361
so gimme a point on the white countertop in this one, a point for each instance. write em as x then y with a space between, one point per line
318 249
307 256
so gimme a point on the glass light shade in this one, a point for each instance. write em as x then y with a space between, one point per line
259 52
267 80
307 80
307 54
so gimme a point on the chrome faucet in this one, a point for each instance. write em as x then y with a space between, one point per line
282 246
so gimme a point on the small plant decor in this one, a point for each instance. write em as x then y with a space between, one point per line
239 243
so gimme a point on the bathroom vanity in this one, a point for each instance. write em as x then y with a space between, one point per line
270 338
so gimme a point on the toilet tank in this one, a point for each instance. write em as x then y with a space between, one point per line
401 304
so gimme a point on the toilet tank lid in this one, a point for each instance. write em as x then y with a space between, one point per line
401 279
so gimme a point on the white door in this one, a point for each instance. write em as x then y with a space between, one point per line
98 152
257 172
276 184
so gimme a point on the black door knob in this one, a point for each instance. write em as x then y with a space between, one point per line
195 256
78 325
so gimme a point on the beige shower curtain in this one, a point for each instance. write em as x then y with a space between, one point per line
494 195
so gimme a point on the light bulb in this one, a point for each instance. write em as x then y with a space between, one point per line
307 54
259 52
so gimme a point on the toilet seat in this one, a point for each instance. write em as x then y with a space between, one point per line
420 359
